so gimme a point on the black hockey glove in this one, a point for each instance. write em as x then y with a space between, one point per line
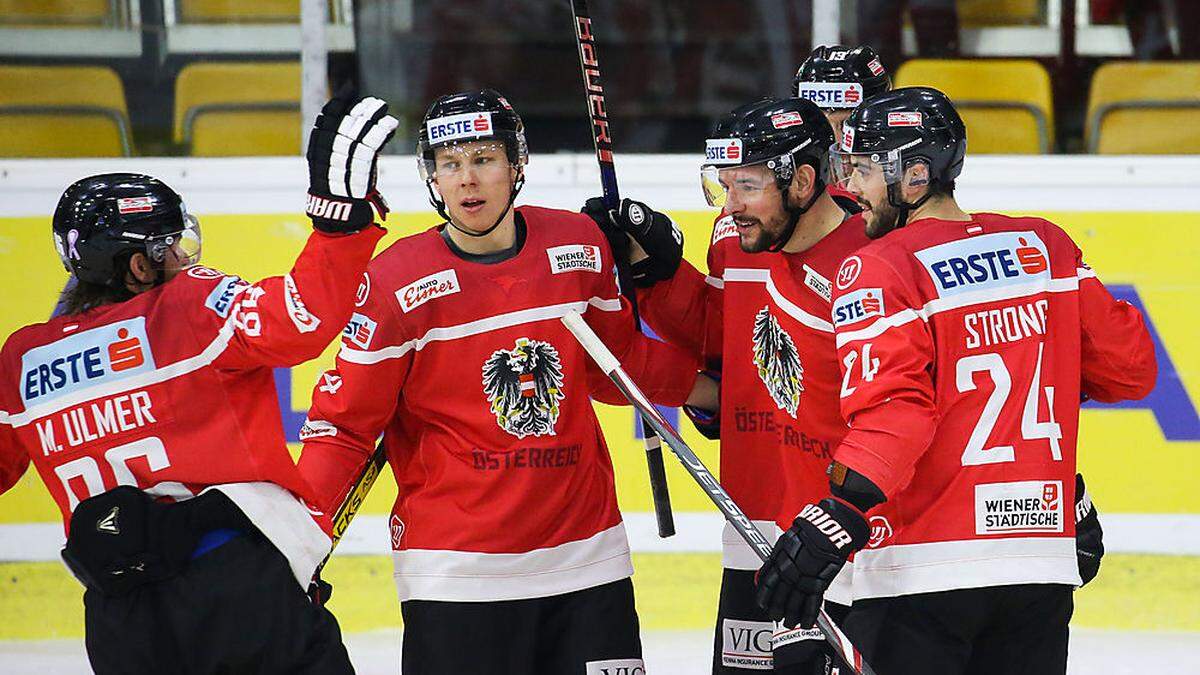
1089 536
343 149
792 582
707 422
660 238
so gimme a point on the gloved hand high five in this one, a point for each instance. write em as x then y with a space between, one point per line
653 231
793 580
343 149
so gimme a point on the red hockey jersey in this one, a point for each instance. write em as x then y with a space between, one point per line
172 391
766 318
965 347
505 483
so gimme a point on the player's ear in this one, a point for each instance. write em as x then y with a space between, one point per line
140 271
804 180
915 182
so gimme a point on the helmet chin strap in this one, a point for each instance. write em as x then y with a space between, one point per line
440 205
794 213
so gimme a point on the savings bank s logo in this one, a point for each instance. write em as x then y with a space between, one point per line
778 362
524 385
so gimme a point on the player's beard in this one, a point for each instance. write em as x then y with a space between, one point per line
881 218
763 236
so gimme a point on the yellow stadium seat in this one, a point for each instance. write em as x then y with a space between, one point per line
85 12
239 11
224 109
1006 104
976 13
1145 108
62 111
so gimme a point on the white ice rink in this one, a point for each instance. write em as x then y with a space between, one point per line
1093 652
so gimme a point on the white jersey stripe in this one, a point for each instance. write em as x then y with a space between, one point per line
764 277
477 327
152 377
937 305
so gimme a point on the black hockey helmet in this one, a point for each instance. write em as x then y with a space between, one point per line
466 117
839 77
898 129
101 220
778 133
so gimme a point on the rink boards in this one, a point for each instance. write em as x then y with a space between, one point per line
1134 218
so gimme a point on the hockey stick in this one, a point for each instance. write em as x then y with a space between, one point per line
590 64
354 499
732 512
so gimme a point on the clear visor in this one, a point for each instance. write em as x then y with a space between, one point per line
859 168
180 249
748 181
487 158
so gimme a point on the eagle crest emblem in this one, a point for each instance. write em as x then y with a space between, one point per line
778 362
524 385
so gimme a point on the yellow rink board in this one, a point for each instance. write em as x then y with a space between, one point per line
675 591
1130 466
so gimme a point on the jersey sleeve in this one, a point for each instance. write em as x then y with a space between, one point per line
665 372
14 460
685 310
353 402
287 320
1117 351
886 354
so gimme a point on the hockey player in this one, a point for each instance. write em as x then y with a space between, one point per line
966 343
761 318
510 553
838 79
148 409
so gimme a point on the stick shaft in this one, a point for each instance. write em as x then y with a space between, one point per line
595 347
589 62
355 498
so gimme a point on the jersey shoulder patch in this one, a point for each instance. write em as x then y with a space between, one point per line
724 228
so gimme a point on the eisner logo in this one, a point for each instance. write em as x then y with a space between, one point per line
746 644
986 261
615 667
1019 507
832 94
724 228
135 205
574 258
904 119
304 320
858 305
97 356
359 330
723 151
427 288
784 120
455 127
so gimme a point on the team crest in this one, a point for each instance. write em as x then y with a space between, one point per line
524 385
778 362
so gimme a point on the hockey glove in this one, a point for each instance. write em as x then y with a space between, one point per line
660 238
1089 536
792 582
343 149
707 422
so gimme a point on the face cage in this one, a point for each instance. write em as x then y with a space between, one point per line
782 168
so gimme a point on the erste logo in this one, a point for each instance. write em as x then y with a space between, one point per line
457 127
95 356
832 94
858 305
986 261
723 151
